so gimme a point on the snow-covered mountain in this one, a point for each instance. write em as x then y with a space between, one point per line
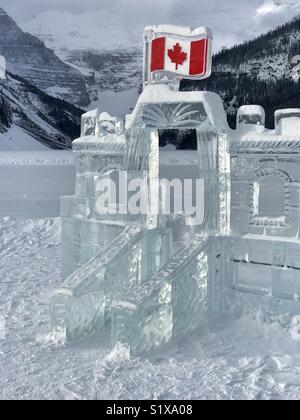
95 30
268 57
29 58
105 45
30 119
106 50
113 78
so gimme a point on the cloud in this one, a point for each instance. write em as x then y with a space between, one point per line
232 21
26 9
276 12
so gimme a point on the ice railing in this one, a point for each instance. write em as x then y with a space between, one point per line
83 304
79 306
171 303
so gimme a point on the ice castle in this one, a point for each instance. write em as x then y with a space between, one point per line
123 272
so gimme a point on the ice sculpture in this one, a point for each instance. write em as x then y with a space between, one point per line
121 270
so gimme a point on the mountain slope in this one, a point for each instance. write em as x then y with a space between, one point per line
267 57
28 57
257 72
103 46
16 139
113 78
26 110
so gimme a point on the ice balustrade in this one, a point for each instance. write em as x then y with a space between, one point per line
83 303
171 303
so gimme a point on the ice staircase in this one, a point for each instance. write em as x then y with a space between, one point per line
144 311
84 302
173 300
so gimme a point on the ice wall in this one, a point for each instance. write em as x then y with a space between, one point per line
261 252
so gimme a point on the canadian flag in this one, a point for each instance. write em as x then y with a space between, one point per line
186 56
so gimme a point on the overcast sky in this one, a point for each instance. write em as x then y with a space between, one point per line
27 9
232 20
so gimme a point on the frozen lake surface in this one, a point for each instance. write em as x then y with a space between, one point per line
31 183
256 356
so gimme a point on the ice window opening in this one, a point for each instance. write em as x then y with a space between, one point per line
271 195
271 202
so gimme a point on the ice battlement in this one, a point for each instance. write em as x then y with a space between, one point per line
251 125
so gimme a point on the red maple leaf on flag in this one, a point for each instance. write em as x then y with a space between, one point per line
177 56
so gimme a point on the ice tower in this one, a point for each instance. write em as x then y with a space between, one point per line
121 270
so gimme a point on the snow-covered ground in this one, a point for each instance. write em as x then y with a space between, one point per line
253 357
